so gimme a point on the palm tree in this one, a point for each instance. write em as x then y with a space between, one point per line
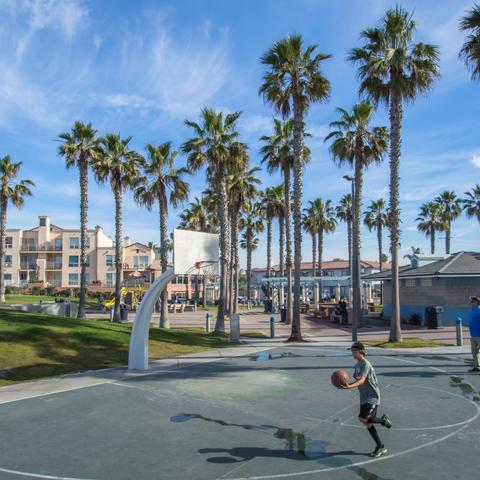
120 166
214 145
375 218
326 221
429 222
394 70
449 207
251 223
242 190
162 184
293 81
197 217
344 212
310 225
470 51
471 204
356 144
80 146
415 251
11 191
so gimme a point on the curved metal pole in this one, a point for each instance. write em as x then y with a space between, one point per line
138 351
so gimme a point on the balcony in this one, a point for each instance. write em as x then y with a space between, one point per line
54 266
28 265
43 247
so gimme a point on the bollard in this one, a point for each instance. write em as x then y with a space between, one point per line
207 322
272 327
458 323
234 327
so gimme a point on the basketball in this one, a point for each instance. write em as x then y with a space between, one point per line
339 378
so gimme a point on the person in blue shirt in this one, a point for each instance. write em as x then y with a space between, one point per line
474 325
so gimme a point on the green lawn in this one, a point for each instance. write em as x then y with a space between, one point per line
35 345
407 343
15 298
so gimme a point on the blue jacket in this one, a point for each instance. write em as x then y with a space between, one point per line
474 321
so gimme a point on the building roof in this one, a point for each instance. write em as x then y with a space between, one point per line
330 265
461 264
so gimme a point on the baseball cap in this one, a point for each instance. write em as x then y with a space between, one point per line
357 346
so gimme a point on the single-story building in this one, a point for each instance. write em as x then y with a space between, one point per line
447 282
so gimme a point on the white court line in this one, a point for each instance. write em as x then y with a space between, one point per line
415 363
38 475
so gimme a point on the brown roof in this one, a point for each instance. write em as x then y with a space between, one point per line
332 265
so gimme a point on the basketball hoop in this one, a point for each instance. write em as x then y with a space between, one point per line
204 268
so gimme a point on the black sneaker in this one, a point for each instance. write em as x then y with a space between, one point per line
474 369
387 423
379 452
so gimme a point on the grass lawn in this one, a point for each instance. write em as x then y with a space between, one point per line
15 298
35 345
407 343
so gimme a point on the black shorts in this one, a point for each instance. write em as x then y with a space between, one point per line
368 411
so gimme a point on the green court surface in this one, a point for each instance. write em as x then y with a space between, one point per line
265 416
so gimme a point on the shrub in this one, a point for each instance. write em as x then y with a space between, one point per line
50 291
35 291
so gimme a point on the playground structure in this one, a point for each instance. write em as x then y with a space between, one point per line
129 297
193 252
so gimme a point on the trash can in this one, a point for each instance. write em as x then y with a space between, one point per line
283 313
123 313
433 317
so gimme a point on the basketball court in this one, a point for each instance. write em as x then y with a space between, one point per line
264 414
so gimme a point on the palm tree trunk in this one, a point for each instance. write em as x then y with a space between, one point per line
118 252
297 211
447 238
349 240
83 167
228 259
288 235
395 114
163 209
357 212
249 269
221 211
320 261
380 255
3 230
231 282
432 241
281 228
269 254
314 265
235 261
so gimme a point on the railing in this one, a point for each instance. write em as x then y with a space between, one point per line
54 266
8 264
28 266
44 247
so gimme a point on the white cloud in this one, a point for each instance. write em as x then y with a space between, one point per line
475 161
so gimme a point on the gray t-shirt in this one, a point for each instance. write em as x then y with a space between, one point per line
369 391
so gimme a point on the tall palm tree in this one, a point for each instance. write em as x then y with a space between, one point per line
162 184
242 190
471 203
12 191
429 222
326 221
80 146
344 212
310 225
358 145
470 51
252 224
198 217
120 166
376 218
394 70
214 145
293 81
449 207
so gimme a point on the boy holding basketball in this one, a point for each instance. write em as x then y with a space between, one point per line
367 384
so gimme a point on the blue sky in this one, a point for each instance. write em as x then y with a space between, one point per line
140 68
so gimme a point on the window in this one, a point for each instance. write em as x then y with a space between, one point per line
7 277
8 242
140 261
58 243
87 260
43 222
87 242
410 282
73 261
73 278
74 242
87 278
8 260
109 260
109 279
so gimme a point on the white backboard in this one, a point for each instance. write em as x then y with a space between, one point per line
190 247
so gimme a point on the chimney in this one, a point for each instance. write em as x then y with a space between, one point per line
126 241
